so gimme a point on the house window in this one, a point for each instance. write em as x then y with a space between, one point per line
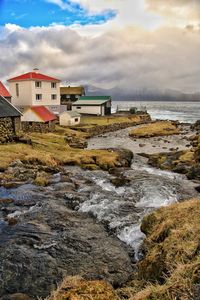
53 85
38 97
17 89
53 97
76 119
78 107
38 84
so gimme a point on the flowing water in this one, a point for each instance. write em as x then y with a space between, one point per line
120 208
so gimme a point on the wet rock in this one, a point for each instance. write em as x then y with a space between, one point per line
50 242
194 172
6 201
142 145
12 221
16 296
120 181
197 188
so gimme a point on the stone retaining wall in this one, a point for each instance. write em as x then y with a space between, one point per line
38 127
8 128
101 129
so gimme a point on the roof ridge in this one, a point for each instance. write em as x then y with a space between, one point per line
10 104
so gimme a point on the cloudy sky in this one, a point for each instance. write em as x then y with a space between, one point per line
129 44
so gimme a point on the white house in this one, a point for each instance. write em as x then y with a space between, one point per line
35 89
69 118
93 105
38 118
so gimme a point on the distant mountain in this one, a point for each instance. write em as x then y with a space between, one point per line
143 95
140 95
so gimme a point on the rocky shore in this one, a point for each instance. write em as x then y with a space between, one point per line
57 223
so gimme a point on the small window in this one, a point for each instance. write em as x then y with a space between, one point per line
17 89
78 107
38 84
53 97
53 85
76 119
38 97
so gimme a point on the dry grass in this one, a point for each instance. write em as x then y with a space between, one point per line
108 120
171 267
51 149
159 128
187 157
76 288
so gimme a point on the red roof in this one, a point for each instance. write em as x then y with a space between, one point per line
45 114
3 91
33 76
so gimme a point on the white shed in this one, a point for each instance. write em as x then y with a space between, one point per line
69 118
93 105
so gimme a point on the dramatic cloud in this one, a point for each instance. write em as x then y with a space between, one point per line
130 59
149 44
177 11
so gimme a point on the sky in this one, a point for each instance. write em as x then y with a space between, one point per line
131 45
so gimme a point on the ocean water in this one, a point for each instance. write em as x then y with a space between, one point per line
186 112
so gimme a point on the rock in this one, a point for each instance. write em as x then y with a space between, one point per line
16 296
12 221
6 201
50 242
194 172
120 181
142 145
197 188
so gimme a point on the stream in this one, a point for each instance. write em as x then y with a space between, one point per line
84 223
118 201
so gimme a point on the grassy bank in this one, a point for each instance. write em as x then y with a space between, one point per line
159 128
108 120
51 149
170 269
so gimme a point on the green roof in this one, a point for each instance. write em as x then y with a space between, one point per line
89 102
106 98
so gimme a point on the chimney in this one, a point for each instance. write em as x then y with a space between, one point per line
36 70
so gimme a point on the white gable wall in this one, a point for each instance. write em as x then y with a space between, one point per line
30 116
66 120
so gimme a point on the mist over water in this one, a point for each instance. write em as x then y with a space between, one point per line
186 112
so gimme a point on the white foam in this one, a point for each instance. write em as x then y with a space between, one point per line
132 236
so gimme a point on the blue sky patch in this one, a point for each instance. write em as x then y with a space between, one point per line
26 13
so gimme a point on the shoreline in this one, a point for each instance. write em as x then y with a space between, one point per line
54 212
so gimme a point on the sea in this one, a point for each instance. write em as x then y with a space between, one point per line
185 112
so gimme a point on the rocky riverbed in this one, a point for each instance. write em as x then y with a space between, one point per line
83 223
121 139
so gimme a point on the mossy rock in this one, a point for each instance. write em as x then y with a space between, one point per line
91 167
42 179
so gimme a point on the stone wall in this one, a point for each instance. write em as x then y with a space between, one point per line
7 129
38 126
101 129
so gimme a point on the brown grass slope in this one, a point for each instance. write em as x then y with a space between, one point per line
159 128
171 267
51 149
